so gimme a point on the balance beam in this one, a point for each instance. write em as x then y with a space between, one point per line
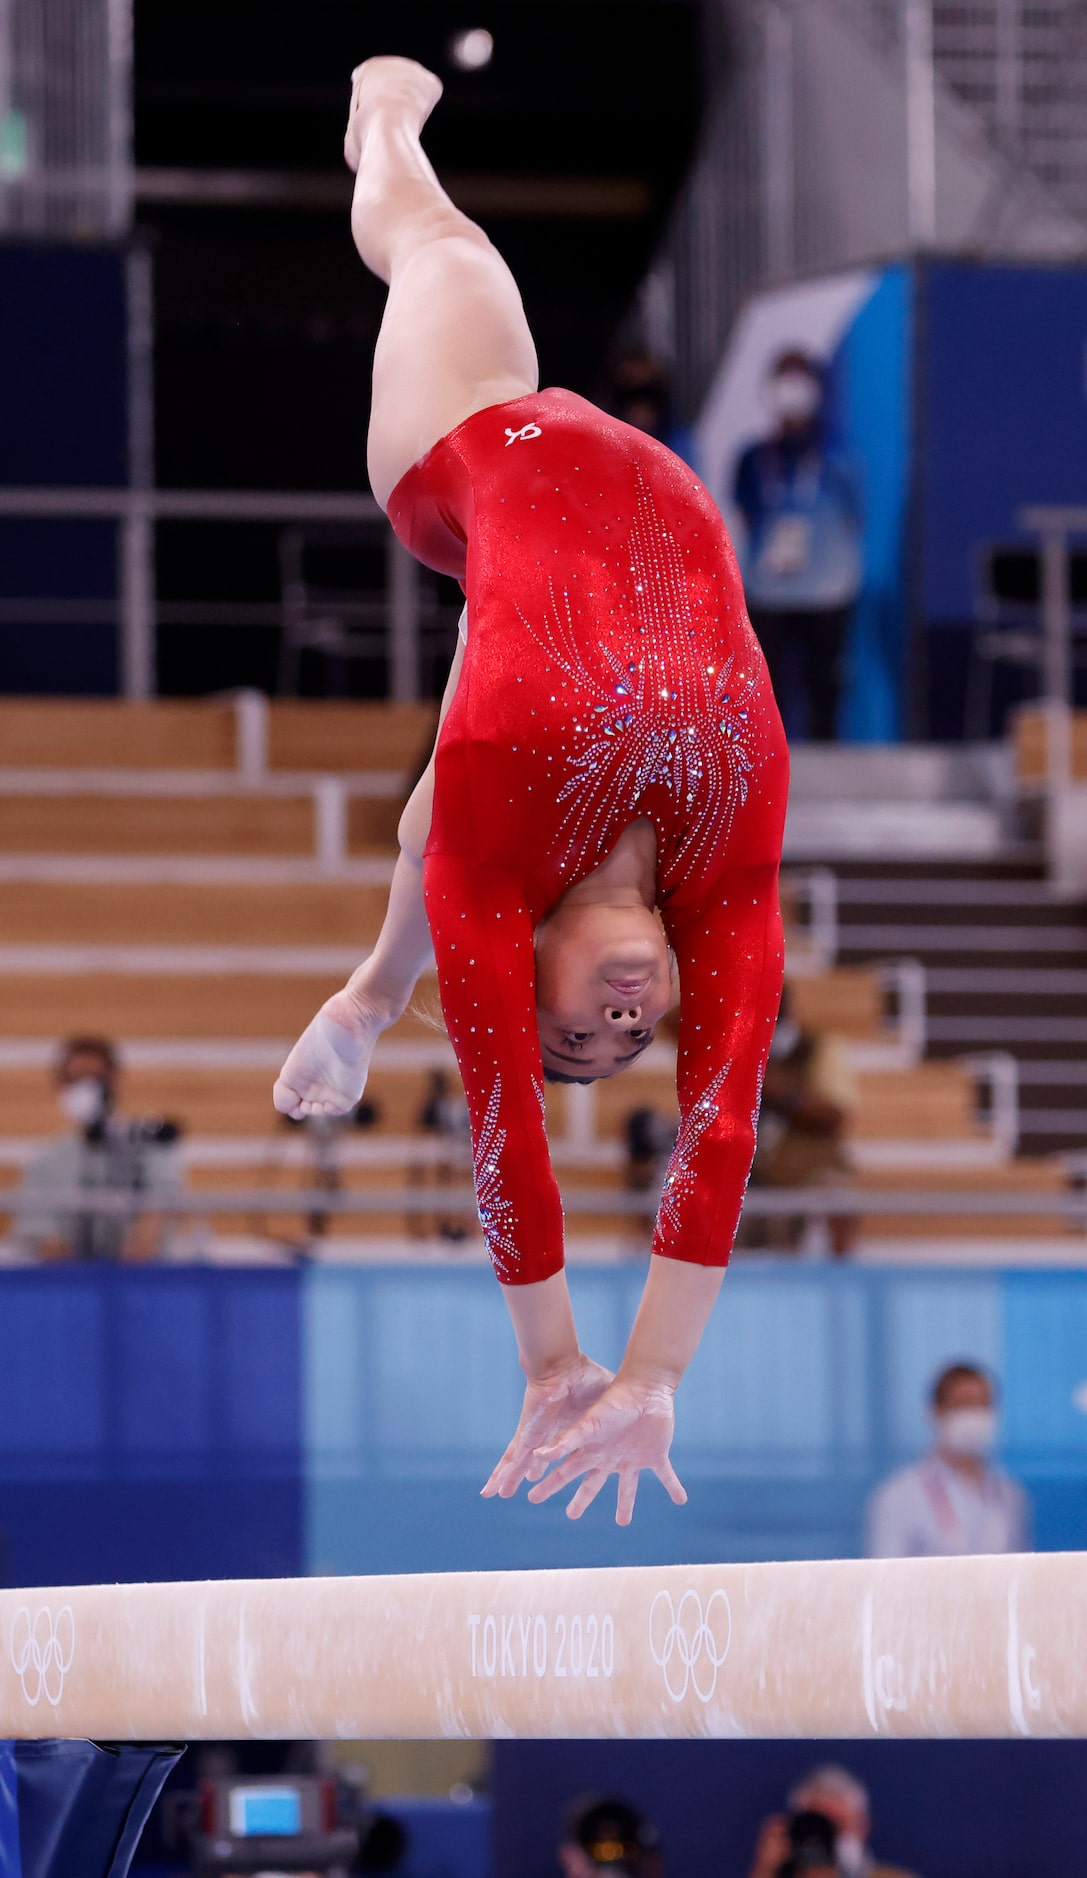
897 1647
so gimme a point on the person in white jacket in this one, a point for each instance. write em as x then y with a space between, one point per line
954 1500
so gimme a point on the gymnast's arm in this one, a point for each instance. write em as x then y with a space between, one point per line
483 943
325 1073
731 966
730 955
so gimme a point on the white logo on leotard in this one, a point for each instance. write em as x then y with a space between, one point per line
521 436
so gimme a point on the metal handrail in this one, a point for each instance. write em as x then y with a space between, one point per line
999 1070
205 505
796 1202
818 886
138 510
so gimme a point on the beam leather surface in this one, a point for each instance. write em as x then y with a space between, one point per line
910 1647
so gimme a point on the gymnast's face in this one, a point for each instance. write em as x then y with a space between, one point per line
602 982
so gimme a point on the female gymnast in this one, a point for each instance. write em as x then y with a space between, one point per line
609 781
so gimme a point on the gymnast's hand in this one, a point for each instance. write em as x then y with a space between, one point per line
629 1427
325 1073
551 1406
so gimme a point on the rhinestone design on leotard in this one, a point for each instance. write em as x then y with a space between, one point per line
648 713
680 1176
496 1213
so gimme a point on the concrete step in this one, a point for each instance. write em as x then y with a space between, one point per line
995 949
838 831
1026 866
962 893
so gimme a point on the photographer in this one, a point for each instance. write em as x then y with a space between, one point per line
809 1096
103 1153
823 1835
607 1837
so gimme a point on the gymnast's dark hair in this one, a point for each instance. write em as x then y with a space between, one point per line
556 1075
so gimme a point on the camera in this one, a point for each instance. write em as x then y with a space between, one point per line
144 1131
617 1837
814 1845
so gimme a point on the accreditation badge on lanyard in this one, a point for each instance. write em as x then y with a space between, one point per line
949 1520
787 544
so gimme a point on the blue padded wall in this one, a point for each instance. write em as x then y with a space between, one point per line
810 1385
151 1424
1002 413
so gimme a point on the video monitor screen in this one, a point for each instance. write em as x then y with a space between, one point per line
264 1810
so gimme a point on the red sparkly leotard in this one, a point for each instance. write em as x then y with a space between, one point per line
610 674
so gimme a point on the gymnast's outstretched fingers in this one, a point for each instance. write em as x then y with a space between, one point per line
550 1406
587 1492
628 1429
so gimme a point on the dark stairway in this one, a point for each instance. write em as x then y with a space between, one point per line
1006 969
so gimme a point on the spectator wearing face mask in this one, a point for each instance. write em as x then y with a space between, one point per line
801 556
954 1500
825 1831
101 1152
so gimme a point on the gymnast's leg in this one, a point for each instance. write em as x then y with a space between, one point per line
454 337
453 340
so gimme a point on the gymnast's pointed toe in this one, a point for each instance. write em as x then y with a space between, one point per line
391 83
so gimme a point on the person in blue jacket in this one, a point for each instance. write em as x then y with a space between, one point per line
801 559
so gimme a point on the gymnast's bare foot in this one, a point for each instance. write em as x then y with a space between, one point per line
325 1073
401 82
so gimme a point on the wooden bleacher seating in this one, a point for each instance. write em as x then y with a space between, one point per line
847 1000
1029 742
284 913
223 1005
1042 1174
328 737
77 733
209 1102
228 1106
932 1102
197 825
318 737
194 825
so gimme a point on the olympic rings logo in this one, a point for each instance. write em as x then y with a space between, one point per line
690 1643
42 1649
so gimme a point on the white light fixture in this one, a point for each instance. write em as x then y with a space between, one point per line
470 51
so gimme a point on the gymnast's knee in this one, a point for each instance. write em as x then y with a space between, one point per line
387 242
